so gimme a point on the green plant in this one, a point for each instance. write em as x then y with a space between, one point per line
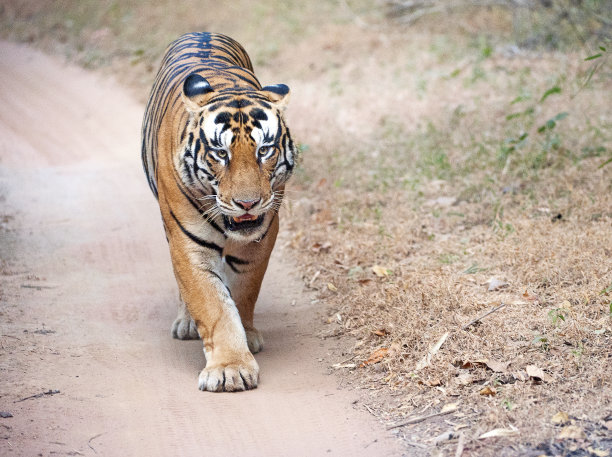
507 404
578 351
542 340
473 269
448 258
536 153
606 290
557 314
500 227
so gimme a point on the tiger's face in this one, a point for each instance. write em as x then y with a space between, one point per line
237 154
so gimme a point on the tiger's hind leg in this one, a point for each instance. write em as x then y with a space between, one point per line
184 328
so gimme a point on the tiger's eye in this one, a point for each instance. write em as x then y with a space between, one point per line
263 152
221 153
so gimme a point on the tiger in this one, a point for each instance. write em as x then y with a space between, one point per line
217 153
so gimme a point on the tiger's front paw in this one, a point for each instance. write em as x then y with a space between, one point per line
232 377
184 328
254 340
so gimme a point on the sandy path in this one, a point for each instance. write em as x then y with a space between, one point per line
87 298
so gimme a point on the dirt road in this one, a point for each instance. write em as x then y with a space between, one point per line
87 298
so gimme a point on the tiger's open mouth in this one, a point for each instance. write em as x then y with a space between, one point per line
244 222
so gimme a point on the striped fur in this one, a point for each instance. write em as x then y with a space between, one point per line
217 154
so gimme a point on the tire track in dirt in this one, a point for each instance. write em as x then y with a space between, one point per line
87 298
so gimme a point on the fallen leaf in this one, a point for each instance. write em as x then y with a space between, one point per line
465 379
463 364
449 408
521 376
495 366
380 332
381 272
488 391
320 247
426 360
571 432
498 432
331 287
375 357
495 284
561 418
364 281
532 298
598 452
446 436
536 372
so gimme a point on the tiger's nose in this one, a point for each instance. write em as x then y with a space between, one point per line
247 204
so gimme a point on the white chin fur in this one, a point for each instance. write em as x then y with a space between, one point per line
248 237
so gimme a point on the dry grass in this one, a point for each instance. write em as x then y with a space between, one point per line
408 165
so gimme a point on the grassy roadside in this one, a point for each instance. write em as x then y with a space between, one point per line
436 158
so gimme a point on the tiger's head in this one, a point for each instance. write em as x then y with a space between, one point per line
236 153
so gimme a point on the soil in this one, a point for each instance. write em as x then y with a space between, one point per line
87 298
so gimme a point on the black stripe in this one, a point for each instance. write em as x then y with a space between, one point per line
268 229
215 274
231 260
199 210
195 239
216 227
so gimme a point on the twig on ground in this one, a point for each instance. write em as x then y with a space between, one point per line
36 286
369 410
371 442
314 278
483 316
445 410
49 392
415 444
460 445
91 439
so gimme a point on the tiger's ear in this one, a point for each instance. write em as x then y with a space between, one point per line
277 94
196 92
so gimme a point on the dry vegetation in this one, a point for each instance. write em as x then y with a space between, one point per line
440 160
